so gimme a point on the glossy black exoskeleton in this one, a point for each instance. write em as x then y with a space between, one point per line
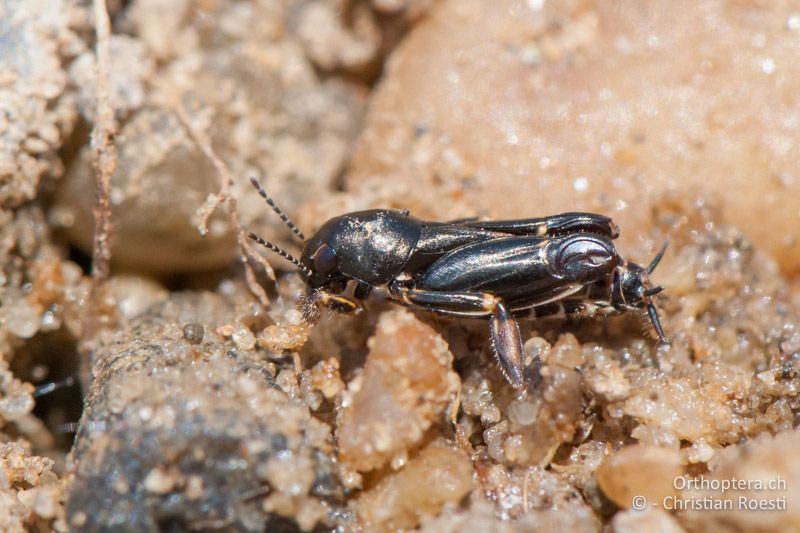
501 270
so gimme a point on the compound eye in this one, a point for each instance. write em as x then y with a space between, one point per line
325 260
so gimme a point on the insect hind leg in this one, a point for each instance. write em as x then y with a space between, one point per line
505 334
507 343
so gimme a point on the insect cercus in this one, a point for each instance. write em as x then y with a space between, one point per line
501 270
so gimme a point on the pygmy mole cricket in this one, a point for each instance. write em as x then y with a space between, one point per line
501 270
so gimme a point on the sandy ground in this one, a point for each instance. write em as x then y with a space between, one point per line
204 401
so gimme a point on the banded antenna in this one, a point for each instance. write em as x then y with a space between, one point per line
286 220
281 252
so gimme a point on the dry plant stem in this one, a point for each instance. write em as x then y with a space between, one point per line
104 159
104 151
204 144
223 196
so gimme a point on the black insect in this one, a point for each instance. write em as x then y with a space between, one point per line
501 270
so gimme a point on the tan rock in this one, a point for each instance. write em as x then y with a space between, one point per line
640 471
440 474
515 108
406 385
758 480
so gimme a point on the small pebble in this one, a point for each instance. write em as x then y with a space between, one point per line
193 333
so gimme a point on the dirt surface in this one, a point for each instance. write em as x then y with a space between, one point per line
175 397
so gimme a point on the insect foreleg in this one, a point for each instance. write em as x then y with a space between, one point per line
336 302
506 337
